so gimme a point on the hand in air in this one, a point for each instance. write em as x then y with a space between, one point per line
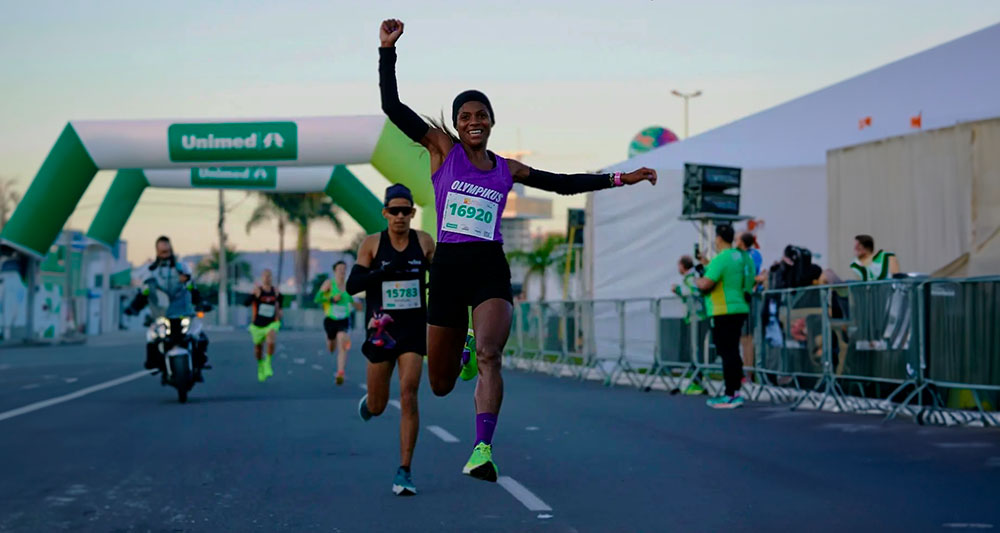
326 286
636 176
390 31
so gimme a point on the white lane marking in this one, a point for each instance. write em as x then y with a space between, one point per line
363 386
531 428
523 495
72 396
965 525
318 367
30 386
442 433
396 404
299 361
961 445
850 428
71 380
544 516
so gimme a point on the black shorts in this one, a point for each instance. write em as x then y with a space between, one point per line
464 275
333 327
410 334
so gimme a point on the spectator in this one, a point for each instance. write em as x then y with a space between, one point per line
688 288
748 243
727 282
871 266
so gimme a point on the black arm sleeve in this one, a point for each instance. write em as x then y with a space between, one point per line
402 116
567 183
360 278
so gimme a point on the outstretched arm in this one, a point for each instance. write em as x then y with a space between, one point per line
575 183
436 141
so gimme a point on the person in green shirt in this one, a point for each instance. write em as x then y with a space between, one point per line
726 285
337 304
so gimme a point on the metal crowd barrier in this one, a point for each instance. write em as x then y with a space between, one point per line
929 348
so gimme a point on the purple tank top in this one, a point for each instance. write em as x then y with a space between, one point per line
470 201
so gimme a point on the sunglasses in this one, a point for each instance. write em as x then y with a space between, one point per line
399 210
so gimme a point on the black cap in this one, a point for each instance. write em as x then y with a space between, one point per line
470 96
397 191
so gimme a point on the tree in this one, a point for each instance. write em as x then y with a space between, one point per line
302 209
9 197
267 211
208 266
547 252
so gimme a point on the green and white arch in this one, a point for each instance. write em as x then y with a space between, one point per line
239 153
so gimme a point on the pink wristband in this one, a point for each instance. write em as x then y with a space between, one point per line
618 179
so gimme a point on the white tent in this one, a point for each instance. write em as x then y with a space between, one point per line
634 237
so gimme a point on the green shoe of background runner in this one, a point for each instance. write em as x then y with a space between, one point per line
469 366
268 371
261 373
694 389
481 465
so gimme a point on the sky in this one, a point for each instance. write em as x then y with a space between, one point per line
572 82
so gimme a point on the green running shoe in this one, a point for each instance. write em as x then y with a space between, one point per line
481 465
469 366
261 373
694 389
402 484
268 371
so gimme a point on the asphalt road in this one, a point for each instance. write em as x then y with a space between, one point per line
291 455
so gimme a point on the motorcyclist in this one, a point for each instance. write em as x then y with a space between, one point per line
170 276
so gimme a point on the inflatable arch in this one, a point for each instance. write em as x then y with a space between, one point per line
238 153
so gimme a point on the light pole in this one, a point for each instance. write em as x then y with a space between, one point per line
686 97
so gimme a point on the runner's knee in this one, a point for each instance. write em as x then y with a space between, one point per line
441 385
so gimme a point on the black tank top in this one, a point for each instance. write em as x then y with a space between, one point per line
265 306
402 293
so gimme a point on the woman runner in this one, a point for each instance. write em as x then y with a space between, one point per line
391 269
469 267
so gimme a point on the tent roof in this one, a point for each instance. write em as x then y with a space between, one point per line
954 82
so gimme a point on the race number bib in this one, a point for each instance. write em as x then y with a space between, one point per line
401 294
265 310
469 215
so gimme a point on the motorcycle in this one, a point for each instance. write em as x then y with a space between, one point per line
171 342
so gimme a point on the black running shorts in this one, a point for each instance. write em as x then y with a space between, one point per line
464 275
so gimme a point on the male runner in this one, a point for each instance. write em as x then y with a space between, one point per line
337 303
392 270
265 303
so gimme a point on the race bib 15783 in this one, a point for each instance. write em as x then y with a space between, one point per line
401 294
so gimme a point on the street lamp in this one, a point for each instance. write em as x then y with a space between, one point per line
686 97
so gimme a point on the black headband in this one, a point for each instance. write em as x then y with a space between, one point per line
470 96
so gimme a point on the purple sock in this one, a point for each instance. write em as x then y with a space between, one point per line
485 424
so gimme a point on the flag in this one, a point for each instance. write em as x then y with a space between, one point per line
864 123
916 122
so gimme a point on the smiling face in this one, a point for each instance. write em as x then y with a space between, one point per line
474 124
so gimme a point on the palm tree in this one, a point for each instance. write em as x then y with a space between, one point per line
546 253
302 209
268 211
8 199
208 266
